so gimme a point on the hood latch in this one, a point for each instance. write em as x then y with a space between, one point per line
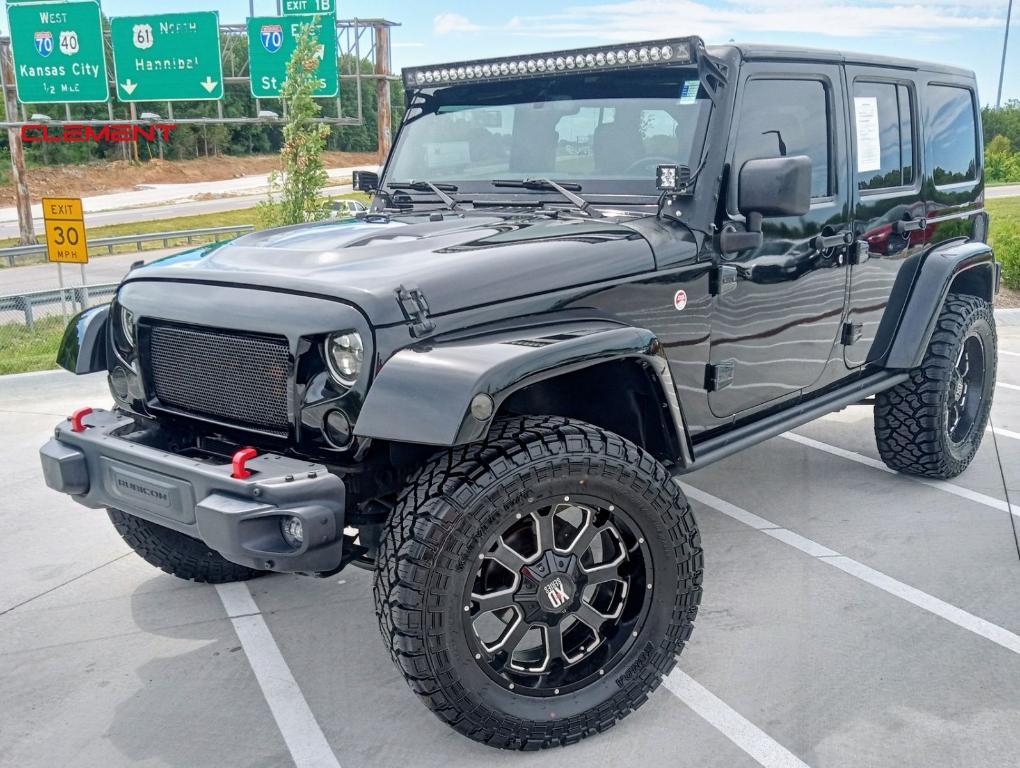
416 310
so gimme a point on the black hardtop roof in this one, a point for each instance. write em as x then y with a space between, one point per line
759 51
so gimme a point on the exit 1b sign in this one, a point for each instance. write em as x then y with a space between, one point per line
309 6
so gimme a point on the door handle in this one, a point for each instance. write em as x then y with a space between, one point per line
910 225
827 242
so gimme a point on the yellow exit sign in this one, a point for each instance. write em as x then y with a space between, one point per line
65 230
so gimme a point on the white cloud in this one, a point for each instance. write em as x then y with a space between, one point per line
637 19
448 22
408 45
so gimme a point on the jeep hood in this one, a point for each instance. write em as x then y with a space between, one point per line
456 260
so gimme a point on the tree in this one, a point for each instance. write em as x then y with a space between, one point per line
303 176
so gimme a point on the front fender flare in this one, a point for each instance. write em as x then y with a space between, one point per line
941 267
423 393
83 347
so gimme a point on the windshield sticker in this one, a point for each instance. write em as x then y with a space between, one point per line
869 139
689 92
443 154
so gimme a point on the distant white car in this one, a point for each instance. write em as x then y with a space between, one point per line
341 209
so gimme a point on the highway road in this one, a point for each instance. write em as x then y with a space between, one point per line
1007 190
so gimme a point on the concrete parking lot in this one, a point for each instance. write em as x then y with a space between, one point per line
851 617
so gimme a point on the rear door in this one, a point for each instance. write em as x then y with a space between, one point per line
889 206
776 329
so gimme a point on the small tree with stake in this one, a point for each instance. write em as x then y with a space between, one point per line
303 176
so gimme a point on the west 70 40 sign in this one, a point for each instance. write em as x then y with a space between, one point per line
271 41
58 52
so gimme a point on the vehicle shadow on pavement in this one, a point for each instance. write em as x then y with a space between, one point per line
197 707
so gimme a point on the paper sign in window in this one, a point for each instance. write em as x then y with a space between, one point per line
869 138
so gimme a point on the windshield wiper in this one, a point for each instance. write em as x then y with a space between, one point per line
564 189
439 190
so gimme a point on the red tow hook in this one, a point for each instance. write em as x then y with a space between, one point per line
76 419
242 457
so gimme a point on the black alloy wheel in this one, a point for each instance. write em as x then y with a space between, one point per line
558 595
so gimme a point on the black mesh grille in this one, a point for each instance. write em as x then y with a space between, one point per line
230 377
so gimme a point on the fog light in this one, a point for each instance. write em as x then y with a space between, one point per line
293 531
337 428
119 383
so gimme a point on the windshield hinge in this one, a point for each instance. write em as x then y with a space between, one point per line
416 310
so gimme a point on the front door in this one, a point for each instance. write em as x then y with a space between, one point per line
777 327
890 210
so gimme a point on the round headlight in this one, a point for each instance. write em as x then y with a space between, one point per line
345 354
128 324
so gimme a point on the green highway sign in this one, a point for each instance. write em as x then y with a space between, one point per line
271 41
167 57
290 7
58 52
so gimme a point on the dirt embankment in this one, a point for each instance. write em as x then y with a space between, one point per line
121 175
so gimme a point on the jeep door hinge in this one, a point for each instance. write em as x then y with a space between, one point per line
852 333
720 375
724 279
416 310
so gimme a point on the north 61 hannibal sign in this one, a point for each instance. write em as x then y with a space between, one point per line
58 52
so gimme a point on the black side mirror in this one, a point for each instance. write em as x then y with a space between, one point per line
365 181
777 186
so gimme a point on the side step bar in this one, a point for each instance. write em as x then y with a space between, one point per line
736 440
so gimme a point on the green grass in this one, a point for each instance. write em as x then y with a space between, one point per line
1005 237
30 350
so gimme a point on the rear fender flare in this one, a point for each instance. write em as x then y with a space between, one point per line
423 393
944 266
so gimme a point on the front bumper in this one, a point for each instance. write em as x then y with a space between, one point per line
107 465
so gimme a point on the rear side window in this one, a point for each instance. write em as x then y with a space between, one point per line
780 118
884 127
953 130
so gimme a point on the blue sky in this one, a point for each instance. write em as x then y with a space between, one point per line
963 32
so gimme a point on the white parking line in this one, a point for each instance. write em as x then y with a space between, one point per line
1004 385
1005 433
750 738
1011 354
940 485
923 600
305 740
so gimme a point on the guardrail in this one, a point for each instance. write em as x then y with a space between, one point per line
78 296
11 254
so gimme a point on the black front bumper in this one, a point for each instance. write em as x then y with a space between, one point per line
106 465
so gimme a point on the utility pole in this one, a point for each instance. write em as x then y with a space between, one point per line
1005 47
26 228
382 89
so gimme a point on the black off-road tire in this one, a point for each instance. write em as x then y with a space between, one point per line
435 537
177 554
912 419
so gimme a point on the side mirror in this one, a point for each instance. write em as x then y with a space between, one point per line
365 181
777 186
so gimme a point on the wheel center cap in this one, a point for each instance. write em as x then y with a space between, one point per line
549 586
556 593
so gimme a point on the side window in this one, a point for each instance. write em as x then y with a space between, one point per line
884 127
785 118
953 130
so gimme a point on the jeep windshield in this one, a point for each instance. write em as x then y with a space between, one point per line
603 133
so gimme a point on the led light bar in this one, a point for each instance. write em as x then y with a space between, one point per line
651 53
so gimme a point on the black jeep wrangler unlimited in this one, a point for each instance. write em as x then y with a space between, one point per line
583 272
